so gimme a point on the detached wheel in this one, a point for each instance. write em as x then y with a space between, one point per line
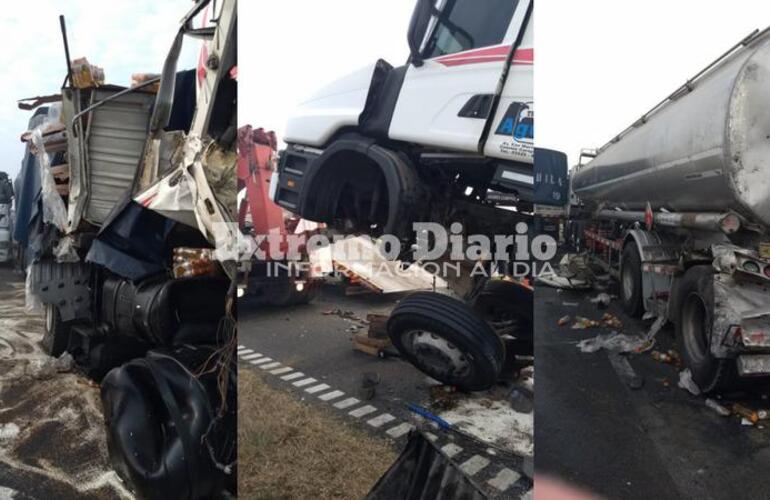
694 328
631 282
447 340
56 335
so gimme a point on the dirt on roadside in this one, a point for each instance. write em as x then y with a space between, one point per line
52 437
289 450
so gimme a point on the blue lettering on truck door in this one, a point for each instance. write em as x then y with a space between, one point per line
518 122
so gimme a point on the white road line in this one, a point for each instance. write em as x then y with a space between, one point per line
381 420
451 449
346 403
474 464
399 430
241 347
431 437
270 366
243 350
279 371
251 356
305 381
504 479
260 361
330 395
292 376
364 410
317 388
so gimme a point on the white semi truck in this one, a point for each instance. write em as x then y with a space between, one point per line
679 211
442 139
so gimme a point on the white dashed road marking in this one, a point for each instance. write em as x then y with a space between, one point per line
474 464
304 382
399 430
346 403
292 376
270 366
504 479
451 449
260 361
331 395
364 410
279 371
381 420
251 356
317 388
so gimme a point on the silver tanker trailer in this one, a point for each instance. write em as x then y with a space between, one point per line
680 213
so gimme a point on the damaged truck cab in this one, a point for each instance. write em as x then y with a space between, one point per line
137 186
387 146
445 138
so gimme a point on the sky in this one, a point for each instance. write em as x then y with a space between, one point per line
601 64
295 47
121 37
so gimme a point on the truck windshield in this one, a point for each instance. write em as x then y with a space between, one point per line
469 24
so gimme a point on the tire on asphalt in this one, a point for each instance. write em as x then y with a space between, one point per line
446 339
508 305
631 281
56 333
693 331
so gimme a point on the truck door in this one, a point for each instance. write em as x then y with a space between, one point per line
454 74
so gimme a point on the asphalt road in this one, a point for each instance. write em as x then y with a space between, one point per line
309 339
658 441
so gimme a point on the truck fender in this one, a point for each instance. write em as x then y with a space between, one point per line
319 196
652 247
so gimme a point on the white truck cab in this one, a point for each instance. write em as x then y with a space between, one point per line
387 145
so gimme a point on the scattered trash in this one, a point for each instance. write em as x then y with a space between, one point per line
369 382
614 342
763 414
686 382
745 421
747 413
556 281
8 431
611 321
563 320
602 300
64 363
714 405
662 357
521 400
582 323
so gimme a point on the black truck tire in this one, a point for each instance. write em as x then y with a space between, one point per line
56 334
446 339
695 317
631 281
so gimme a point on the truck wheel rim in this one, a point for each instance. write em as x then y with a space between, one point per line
436 354
695 328
628 282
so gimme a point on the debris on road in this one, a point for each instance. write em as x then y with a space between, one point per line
613 342
747 413
581 323
564 320
602 300
720 409
687 383
572 273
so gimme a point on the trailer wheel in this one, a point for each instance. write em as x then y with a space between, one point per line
56 335
447 340
694 327
631 282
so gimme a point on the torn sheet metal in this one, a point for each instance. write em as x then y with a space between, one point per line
739 303
422 472
54 211
132 243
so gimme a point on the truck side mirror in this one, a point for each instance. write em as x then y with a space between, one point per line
417 29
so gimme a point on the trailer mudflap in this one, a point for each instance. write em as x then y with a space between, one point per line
64 284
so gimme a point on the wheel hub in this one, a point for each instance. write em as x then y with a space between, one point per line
436 354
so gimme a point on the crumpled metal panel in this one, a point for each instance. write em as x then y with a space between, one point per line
422 472
116 139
